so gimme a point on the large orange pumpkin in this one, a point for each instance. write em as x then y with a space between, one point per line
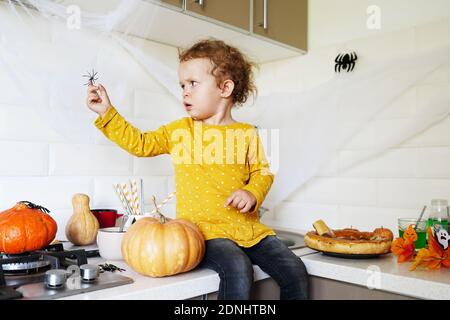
163 247
26 227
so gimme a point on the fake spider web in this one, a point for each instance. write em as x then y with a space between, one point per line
309 123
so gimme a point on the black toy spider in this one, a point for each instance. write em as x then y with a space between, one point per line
91 77
345 61
31 205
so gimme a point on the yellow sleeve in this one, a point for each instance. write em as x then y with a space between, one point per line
261 178
131 139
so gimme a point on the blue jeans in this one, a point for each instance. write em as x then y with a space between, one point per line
234 264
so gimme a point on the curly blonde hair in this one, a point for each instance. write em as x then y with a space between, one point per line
229 63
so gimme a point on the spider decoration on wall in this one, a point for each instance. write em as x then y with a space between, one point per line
345 61
91 77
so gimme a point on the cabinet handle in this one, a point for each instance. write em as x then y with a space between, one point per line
200 2
265 23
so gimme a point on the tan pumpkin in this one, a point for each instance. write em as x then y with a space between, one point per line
163 247
26 227
83 226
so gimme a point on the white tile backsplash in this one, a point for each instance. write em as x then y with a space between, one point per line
157 105
321 191
104 192
432 34
10 94
157 166
383 186
42 166
429 92
351 166
77 159
369 218
436 135
23 158
301 216
411 193
441 75
50 192
397 163
156 186
23 123
434 162
360 192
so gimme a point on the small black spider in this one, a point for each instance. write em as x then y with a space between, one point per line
31 205
110 268
346 61
91 77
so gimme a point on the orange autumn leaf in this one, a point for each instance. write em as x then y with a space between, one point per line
446 261
408 253
434 261
433 245
397 246
422 255
432 258
403 248
428 259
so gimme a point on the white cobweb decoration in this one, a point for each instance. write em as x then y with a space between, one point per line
309 123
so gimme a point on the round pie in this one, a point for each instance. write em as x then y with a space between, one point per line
351 241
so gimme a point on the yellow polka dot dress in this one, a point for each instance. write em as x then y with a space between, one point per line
210 162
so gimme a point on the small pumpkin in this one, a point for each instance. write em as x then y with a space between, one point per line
383 233
83 226
163 247
26 227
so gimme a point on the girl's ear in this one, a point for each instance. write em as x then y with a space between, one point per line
227 88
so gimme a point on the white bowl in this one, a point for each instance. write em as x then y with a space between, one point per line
109 242
130 219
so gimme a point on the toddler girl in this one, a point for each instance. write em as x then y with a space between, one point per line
221 172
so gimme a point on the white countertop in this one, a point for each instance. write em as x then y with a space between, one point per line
383 273
181 286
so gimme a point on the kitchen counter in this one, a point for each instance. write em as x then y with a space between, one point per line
382 273
181 286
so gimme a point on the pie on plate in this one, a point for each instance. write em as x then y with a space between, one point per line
349 241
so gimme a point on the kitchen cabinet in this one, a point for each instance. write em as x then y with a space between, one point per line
176 3
327 289
233 12
266 289
285 21
320 289
180 23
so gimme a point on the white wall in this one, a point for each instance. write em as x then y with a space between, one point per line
394 184
40 165
335 22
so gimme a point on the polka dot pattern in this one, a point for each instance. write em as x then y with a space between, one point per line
202 188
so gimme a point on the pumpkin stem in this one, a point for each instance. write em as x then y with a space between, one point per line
162 218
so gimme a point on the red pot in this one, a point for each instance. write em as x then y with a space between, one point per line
106 217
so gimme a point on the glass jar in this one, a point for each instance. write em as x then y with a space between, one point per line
439 214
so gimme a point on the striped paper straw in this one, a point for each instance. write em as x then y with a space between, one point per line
135 197
170 196
127 196
141 195
122 199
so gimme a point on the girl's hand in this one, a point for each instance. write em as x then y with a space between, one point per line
97 99
241 199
